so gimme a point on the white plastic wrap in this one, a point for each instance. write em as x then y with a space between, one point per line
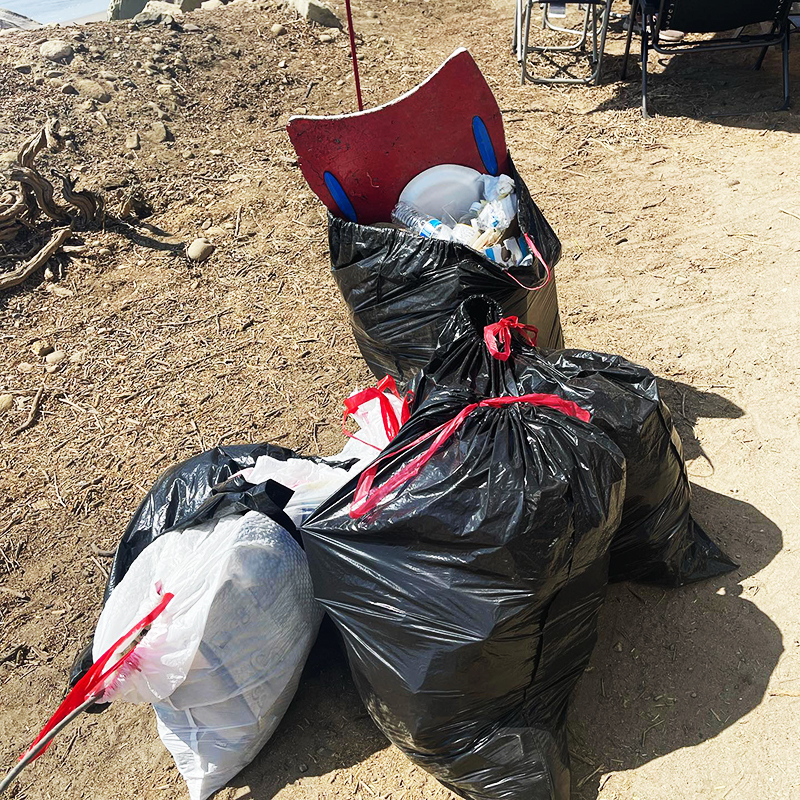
314 482
222 662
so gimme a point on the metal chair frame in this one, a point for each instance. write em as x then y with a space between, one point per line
596 17
654 20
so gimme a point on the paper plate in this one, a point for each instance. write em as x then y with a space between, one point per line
445 191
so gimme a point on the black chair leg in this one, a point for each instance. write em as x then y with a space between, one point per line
645 54
761 57
786 97
631 20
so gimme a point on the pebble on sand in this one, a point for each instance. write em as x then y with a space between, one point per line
200 250
56 50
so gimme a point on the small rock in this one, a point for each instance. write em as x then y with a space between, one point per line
282 64
301 110
41 349
372 15
53 73
159 132
79 357
25 69
229 226
68 88
215 231
157 7
680 280
56 357
211 5
165 90
317 11
60 291
326 37
56 50
25 368
93 90
278 30
89 105
200 250
158 47
48 274
618 647
104 251
733 182
303 767
6 403
132 141
108 76
206 224
188 153
215 152
38 80
51 368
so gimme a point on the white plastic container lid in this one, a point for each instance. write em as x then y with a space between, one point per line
445 192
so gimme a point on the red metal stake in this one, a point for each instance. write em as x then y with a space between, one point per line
353 54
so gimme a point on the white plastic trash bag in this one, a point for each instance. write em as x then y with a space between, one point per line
379 412
222 662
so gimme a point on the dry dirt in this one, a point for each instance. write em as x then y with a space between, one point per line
681 238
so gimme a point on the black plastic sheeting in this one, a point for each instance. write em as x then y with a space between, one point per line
401 288
468 599
190 493
658 540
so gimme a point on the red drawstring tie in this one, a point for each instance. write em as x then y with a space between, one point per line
365 499
498 336
94 682
390 422
548 272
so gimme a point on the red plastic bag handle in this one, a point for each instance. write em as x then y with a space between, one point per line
390 422
498 336
365 499
548 272
94 682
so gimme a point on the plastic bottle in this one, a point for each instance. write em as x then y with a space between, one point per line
415 220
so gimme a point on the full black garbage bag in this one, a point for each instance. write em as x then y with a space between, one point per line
401 288
658 540
197 490
468 597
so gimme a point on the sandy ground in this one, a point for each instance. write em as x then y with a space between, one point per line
681 240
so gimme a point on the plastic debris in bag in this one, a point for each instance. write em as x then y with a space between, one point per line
222 663
465 569
658 540
401 290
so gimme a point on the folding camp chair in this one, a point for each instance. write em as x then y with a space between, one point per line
596 16
709 16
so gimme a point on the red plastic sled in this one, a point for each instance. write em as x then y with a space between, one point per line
358 164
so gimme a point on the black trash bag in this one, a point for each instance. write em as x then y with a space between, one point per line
468 599
195 491
658 540
401 288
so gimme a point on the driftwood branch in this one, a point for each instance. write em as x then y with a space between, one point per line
27 268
